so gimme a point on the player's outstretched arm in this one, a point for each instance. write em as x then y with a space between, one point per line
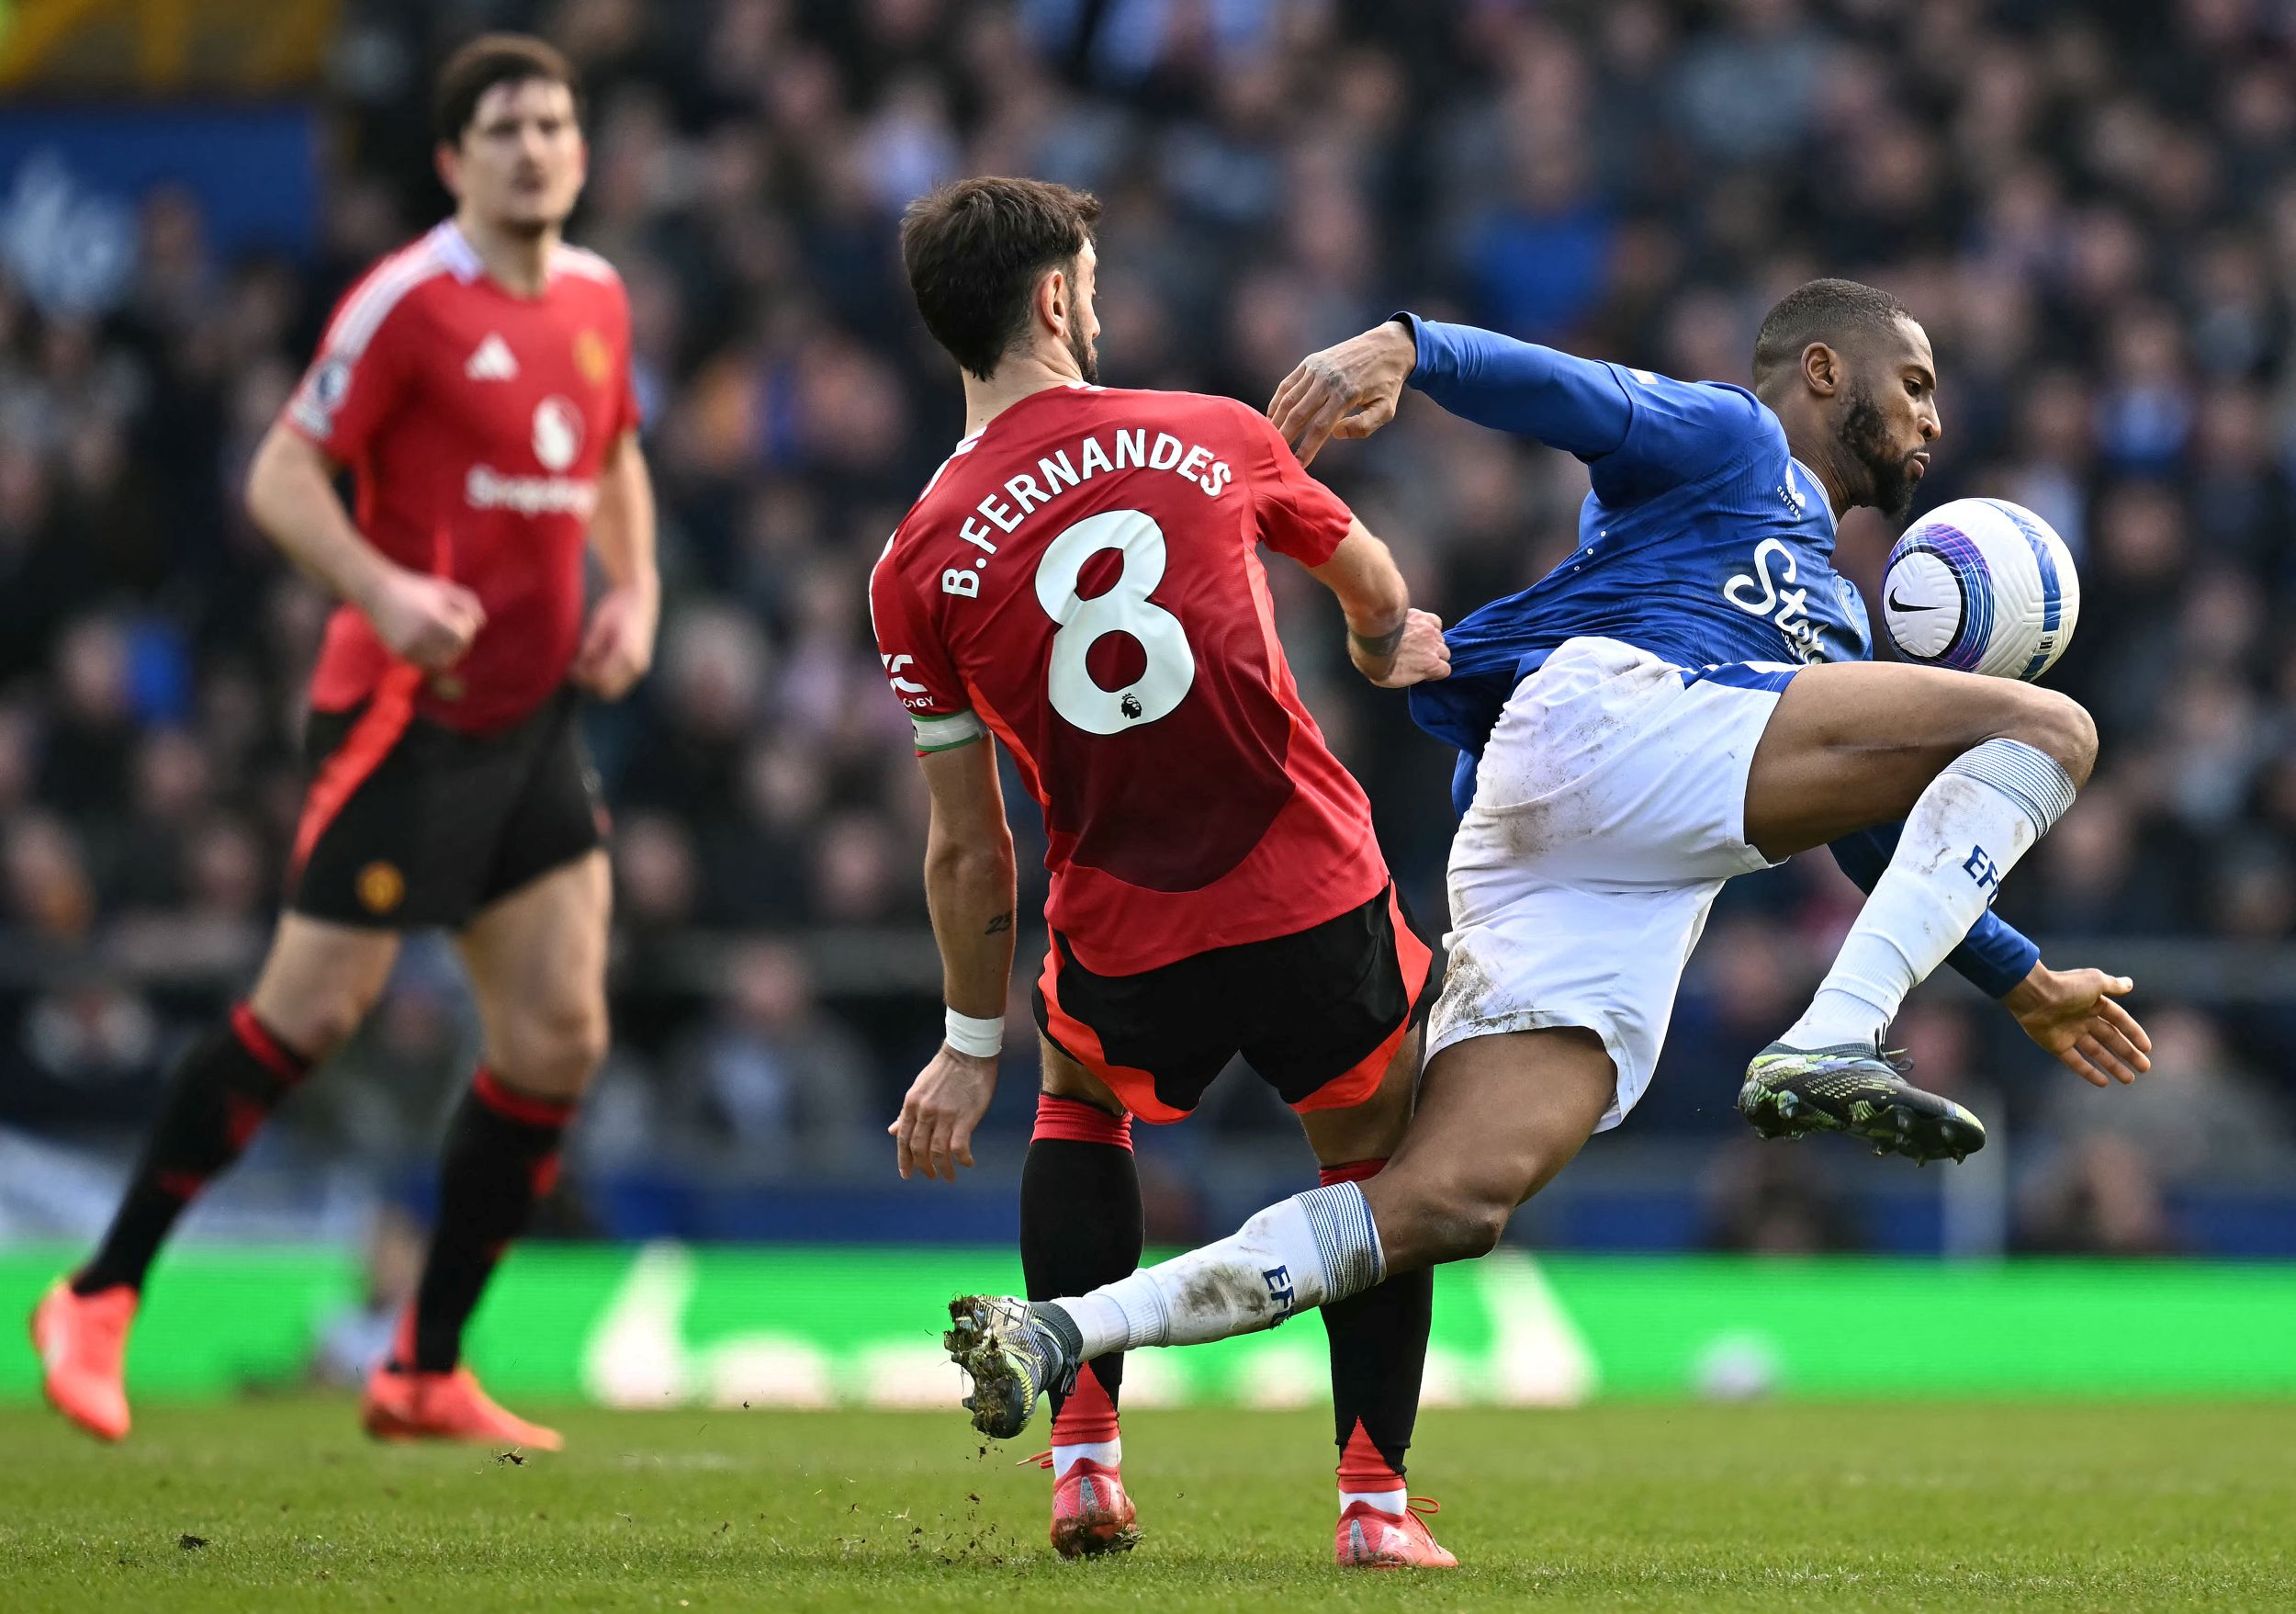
1389 642
969 887
618 644
1351 390
429 621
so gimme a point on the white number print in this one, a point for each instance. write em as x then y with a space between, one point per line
1124 608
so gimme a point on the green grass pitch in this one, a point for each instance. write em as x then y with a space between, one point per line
281 1505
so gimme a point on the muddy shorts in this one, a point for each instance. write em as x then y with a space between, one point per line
1610 806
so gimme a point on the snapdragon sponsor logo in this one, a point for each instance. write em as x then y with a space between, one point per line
488 489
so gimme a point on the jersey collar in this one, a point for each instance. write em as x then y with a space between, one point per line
964 444
456 252
1817 490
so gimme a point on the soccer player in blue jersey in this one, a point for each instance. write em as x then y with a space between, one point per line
1688 696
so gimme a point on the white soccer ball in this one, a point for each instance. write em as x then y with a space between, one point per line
1981 585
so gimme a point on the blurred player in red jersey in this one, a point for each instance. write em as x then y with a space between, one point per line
1081 581
477 385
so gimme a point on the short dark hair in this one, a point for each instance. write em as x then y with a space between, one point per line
976 250
488 61
1820 310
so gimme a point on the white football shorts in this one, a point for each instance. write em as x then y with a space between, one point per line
1610 806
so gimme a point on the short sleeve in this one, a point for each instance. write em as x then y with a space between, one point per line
916 663
1298 515
1677 433
357 378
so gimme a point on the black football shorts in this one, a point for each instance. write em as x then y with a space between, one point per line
1319 1014
409 824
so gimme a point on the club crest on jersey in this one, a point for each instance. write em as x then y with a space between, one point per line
492 361
591 357
557 432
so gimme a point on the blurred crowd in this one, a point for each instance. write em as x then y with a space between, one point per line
2092 207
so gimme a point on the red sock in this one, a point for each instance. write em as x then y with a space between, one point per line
1378 1353
1080 1227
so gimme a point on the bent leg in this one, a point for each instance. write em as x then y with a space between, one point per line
537 964
1854 744
317 983
1498 1117
1989 764
1502 1115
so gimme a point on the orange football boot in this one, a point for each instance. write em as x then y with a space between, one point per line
1372 1538
444 1407
1091 1514
82 1345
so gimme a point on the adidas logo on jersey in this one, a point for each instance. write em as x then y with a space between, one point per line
493 362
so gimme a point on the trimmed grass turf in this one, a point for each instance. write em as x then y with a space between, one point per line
2102 1507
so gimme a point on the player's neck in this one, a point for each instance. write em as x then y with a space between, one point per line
1822 465
517 260
1017 378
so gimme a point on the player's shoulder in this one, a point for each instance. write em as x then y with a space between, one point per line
1149 403
566 258
395 286
1718 415
587 275
929 497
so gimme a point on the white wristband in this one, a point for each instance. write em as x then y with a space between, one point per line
983 1039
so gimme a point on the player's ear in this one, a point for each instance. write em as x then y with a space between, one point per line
1822 369
1054 302
448 162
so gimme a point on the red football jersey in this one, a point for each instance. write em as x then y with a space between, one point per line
1082 579
475 422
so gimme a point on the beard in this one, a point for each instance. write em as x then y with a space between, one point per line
1889 477
1088 357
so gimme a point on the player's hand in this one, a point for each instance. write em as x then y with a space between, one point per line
1344 391
427 620
945 1102
618 645
2072 1013
1420 656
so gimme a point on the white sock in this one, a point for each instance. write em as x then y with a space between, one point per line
1310 1248
1106 1453
1965 833
1395 1501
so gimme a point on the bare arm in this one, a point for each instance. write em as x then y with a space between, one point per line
292 495
969 887
618 645
1389 643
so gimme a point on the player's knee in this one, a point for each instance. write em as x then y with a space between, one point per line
316 1023
557 1050
1463 1221
2062 726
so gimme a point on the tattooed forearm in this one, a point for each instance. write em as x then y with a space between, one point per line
1000 924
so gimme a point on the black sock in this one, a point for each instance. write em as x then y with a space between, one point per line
219 1096
1378 1354
1080 1227
501 1156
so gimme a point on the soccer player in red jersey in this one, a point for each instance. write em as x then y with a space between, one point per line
476 384
1081 581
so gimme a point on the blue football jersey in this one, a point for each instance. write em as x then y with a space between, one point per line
1703 541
